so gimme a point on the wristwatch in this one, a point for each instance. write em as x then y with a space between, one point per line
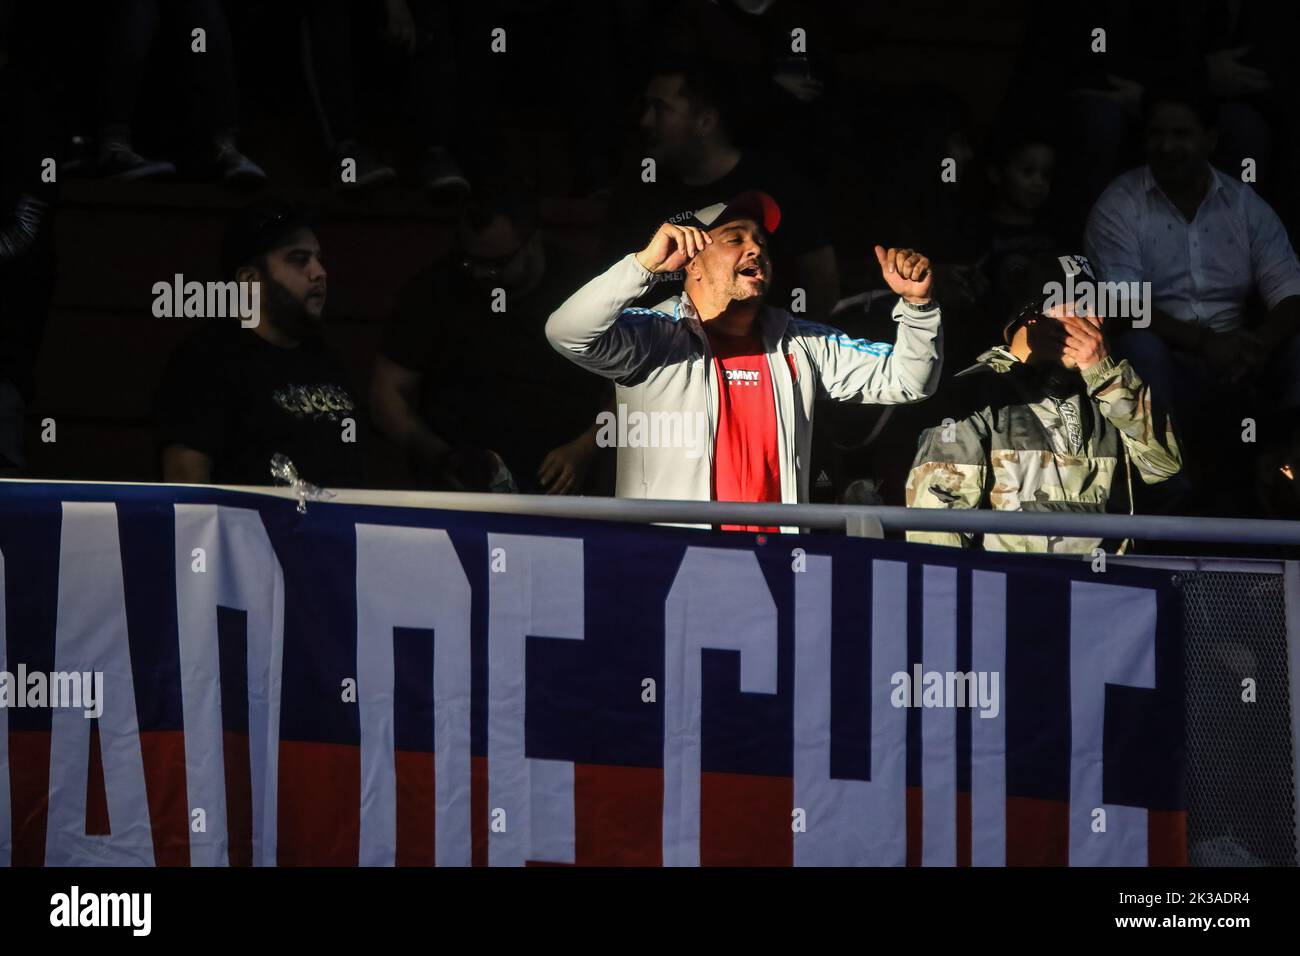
928 306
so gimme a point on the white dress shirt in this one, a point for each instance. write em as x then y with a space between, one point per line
1200 271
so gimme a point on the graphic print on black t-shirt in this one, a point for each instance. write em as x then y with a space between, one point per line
237 398
314 401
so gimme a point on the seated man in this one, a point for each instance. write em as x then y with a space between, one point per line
1206 243
465 381
233 396
1049 421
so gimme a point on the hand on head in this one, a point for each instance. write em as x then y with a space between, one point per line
672 247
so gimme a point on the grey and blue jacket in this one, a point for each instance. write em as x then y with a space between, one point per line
662 365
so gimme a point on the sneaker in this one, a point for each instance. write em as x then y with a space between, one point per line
232 168
441 175
370 172
119 161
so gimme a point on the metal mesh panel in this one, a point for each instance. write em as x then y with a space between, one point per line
1240 782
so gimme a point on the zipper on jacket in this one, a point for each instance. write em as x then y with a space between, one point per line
710 404
776 363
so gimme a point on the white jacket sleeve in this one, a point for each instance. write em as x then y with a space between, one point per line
591 330
858 370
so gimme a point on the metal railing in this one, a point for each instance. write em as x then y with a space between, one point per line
856 520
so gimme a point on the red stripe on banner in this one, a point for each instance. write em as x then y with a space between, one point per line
239 798
416 808
618 815
319 805
745 820
97 822
1166 838
163 755
478 811
29 794
914 809
963 828
1038 832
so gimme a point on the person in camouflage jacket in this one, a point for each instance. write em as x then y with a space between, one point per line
1050 421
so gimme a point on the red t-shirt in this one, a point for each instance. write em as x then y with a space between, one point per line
746 461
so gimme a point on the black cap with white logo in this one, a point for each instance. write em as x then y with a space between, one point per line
1047 279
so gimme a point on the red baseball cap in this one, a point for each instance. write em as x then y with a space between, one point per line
752 204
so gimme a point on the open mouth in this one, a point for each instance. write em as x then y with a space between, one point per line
753 272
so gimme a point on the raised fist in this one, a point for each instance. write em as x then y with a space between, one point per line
907 273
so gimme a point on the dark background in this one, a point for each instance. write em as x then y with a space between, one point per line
902 79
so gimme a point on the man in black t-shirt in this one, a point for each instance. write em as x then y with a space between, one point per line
688 126
233 396
465 380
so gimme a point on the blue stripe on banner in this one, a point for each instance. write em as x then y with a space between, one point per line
232 652
473 552
559 706
413 689
145 536
29 538
320 599
1036 695
851 591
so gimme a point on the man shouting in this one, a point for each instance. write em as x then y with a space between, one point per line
715 388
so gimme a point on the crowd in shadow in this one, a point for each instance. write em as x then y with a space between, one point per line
1161 140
